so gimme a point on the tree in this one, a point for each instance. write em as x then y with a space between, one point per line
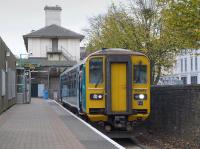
140 28
158 45
113 29
182 18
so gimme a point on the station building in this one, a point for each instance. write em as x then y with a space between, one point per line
7 77
51 49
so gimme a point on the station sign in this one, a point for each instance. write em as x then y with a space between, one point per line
30 66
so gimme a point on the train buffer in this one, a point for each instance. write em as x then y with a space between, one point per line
47 125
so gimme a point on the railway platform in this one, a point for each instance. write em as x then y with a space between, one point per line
44 124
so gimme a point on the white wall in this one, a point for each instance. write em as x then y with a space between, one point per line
71 46
56 57
38 47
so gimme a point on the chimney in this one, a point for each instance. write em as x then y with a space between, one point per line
52 15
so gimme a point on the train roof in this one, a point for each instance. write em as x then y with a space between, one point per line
115 51
110 51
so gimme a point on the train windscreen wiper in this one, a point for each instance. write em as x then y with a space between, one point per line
98 81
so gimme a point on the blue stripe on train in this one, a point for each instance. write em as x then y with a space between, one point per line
84 90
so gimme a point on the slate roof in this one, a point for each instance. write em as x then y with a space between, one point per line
52 31
52 7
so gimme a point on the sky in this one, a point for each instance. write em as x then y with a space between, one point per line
19 17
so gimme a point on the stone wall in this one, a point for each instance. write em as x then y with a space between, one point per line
175 110
7 63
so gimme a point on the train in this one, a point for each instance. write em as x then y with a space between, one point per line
110 87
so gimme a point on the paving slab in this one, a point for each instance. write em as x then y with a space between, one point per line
46 125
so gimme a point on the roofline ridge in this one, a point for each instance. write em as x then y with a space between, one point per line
57 7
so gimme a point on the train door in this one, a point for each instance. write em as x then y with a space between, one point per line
118 84
118 87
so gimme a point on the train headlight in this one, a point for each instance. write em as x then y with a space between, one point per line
96 96
140 96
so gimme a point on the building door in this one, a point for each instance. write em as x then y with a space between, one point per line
118 87
184 80
55 44
40 90
34 90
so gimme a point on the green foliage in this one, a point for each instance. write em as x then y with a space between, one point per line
182 18
144 26
111 30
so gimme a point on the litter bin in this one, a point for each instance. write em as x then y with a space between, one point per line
46 94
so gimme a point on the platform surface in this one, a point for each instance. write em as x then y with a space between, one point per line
46 125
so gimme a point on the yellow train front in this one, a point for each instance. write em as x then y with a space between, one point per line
111 87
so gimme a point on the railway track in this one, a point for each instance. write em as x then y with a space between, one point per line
129 143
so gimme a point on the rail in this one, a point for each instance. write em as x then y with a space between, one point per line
64 52
67 54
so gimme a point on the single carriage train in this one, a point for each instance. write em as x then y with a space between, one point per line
110 86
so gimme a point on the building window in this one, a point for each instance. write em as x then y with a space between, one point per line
185 64
196 64
191 63
184 80
55 44
193 79
3 82
181 65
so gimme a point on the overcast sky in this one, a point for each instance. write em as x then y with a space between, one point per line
19 17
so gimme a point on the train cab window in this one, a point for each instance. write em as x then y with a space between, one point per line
140 74
96 71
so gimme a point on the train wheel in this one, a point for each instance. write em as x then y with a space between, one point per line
108 128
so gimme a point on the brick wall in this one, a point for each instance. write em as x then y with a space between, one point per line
175 110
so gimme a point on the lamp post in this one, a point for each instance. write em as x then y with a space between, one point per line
27 81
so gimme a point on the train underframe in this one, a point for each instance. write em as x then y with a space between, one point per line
118 122
116 126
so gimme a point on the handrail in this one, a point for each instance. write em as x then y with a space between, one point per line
65 53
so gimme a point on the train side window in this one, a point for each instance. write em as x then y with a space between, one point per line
96 71
140 74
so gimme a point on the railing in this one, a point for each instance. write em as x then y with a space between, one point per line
64 52
50 50
67 54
